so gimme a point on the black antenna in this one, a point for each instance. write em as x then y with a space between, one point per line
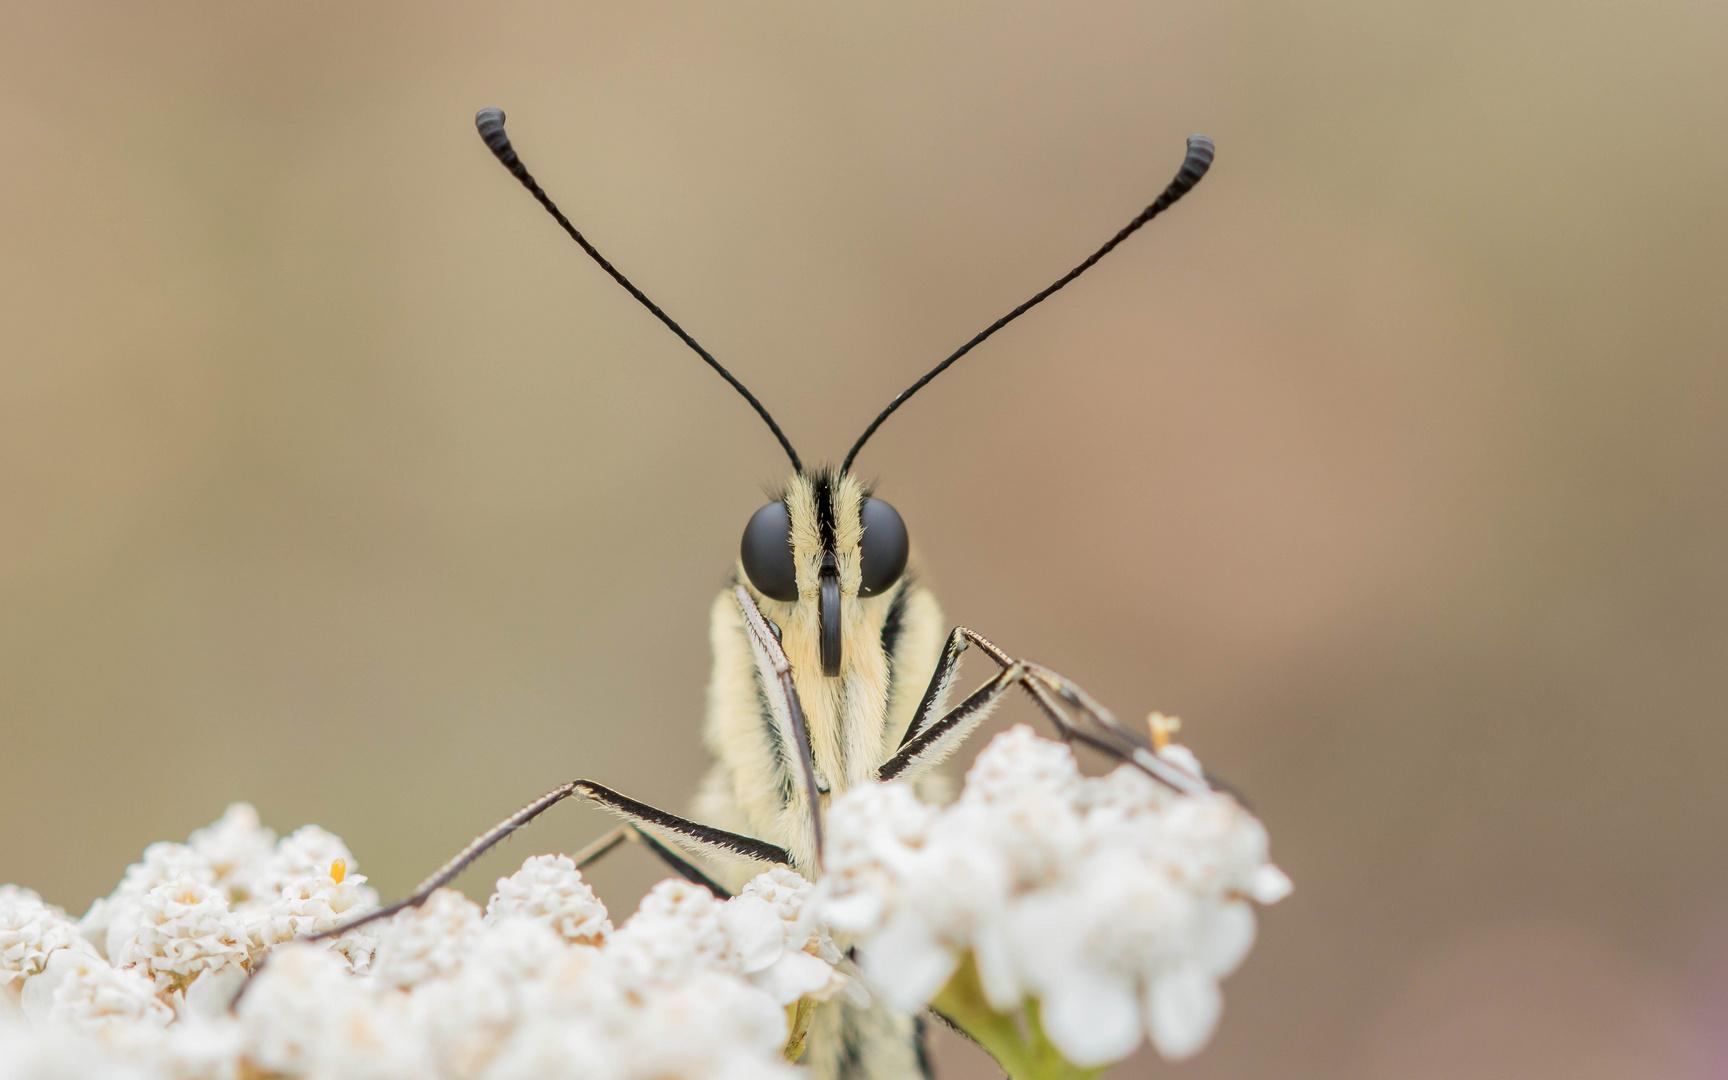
1194 166
491 125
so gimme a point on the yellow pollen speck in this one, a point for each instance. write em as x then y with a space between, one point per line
338 871
1162 728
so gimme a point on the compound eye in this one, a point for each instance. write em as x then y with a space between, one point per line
882 555
767 553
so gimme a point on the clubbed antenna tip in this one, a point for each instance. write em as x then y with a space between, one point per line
490 123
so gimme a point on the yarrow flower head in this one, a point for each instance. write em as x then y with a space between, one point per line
550 889
236 848
426 941
793 956
1115 904
540 985
81 991
1107 909
320 901
29 931
182 930
112 920
306 852
195 917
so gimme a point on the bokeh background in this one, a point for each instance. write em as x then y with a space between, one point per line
334 478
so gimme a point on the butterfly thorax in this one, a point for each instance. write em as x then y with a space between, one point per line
890 643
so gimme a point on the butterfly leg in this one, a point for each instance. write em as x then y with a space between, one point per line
789 716
597 850
690 835
640 818
930 738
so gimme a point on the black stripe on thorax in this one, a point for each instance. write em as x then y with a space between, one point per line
824 482
892 627
896 620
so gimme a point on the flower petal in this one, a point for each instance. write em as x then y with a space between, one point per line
1269 884
792 976
1226 937
995 961
211 993
908 964
755 930
1182 1011
1093 1017
859 912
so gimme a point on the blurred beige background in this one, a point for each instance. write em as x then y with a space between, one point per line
334 478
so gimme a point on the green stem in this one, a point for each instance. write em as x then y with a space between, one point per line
962 1001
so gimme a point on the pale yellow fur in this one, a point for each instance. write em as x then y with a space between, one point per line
855 720
854 726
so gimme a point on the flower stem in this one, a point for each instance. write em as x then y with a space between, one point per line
1022 1058
798 1016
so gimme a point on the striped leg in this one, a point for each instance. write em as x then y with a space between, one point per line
640 817
1076 716
765 640
697 838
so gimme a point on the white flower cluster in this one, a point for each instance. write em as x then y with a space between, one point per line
548 889
182 930
511 994
1114 902
539 985
1109 908
29 931
200 913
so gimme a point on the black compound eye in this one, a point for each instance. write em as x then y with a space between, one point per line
767 552
883 553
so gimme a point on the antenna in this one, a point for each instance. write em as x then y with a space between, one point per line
1194 166
491 125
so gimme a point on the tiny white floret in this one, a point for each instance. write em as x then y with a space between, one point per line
550 889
